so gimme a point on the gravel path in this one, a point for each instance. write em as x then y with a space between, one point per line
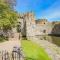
8 45
52 50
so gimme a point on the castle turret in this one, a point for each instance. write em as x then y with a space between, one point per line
30 24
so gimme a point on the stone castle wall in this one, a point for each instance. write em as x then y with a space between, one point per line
32 27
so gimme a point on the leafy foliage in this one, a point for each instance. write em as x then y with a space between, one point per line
8 17
2 38
12 3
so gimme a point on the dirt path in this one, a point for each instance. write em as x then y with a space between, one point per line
52 50
8 45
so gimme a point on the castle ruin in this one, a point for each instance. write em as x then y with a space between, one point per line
32 27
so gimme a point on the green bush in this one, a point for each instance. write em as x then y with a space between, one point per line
2 38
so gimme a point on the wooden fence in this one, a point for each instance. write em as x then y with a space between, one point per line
16 54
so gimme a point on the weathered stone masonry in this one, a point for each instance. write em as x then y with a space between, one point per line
32 27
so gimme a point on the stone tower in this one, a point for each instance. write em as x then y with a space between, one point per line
23 25
30 24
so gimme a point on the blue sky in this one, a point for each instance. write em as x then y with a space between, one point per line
49 9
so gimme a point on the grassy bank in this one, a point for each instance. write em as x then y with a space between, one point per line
33 51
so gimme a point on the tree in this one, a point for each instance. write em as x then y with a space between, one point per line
12 3
8 17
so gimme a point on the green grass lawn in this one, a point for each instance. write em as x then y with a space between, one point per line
33 51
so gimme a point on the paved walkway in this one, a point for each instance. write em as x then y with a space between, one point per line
52 50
